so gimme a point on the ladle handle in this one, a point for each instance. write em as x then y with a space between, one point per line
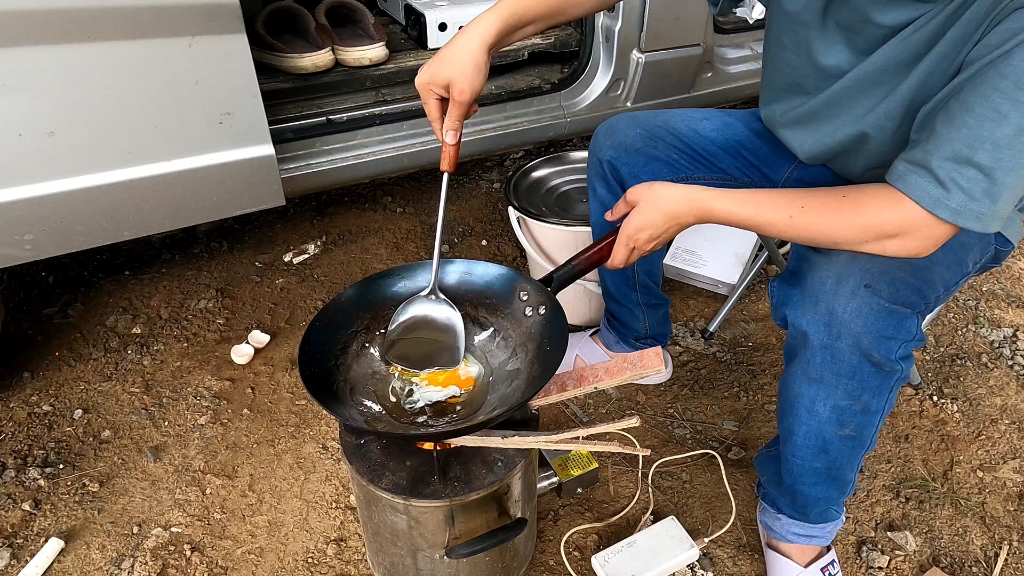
582 263
450 155
449 160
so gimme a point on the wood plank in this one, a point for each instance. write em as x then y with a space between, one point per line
401 67
623 424
526 443
615 372
564 440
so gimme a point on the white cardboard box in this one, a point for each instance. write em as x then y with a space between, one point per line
711 256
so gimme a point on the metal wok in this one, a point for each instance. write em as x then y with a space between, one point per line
515 328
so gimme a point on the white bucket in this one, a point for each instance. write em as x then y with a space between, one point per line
548 245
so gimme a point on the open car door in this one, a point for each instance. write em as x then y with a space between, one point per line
125 118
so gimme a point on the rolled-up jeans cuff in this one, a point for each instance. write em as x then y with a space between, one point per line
612 342
781 528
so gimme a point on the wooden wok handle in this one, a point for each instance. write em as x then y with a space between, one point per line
582 263
450 155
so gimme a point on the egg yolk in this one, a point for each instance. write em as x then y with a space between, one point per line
463 377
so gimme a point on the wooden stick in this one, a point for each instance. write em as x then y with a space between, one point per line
1002 559
616 372
564 440
624 423
522 443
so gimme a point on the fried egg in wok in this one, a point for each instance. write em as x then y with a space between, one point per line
414 390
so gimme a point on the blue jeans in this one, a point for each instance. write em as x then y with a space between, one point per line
852 320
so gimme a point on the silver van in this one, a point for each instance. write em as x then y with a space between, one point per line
126 118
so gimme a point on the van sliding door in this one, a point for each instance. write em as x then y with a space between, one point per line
124 118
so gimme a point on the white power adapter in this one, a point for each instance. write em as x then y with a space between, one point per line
660 550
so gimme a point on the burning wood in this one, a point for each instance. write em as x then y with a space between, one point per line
434 445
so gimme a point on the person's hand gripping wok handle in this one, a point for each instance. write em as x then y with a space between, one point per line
451 81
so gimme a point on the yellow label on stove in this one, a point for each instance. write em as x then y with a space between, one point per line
573 464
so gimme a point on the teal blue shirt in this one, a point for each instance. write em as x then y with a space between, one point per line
925 95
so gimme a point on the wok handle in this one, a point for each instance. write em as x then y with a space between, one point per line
450 155
488 540
582 263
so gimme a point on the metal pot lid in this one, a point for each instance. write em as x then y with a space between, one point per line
552 189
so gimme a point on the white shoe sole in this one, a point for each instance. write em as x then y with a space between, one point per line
297 63
362 56
659 378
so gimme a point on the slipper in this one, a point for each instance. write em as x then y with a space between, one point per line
583 346
778 565
284 35
356 36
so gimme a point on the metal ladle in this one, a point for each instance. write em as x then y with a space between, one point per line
427 331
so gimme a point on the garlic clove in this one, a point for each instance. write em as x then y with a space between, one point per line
242 353
258 339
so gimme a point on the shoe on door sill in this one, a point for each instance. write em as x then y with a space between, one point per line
284 35
357 38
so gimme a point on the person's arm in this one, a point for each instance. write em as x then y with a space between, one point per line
962 169
872 218
510 21
450 82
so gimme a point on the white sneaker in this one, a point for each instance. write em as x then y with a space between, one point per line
778 565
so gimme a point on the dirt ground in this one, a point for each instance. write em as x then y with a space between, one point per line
126 430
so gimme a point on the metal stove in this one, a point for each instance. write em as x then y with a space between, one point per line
455 511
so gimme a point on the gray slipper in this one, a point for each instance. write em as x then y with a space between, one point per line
356 36
284 35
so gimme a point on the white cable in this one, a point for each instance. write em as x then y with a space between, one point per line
725 480
639 487
650 493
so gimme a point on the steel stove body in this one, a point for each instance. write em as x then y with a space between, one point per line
456 511
453 512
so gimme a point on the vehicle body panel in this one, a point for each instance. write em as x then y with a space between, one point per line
125 118
673 24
